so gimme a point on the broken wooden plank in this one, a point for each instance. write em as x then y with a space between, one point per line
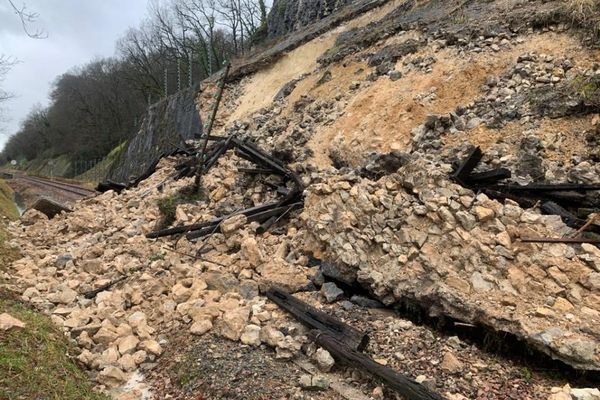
488 177
187 228
110 185
218 153
402 384
550 207
578 240
545 187
257 171
502 196
316 319
467 165
265 226
254 217
147 173
585 212
196 234
92 293
258 156
569 196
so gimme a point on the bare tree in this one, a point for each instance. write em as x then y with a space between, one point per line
28 18
6 64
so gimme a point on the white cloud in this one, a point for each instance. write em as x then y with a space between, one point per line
78 31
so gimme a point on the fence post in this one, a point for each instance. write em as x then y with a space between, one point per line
166 83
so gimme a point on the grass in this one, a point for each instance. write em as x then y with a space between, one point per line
588 89
101 170
35 361
7 204
584 14
168 205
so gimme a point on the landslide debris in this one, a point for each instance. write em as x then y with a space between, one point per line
374 147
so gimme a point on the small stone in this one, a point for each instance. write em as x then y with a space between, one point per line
366 302
65 296
250 251
232 224
139 357
105 335
563 305
180 293
128 344
467 221
151 346
271 336
479 283
395 75
112 376
251 335
450 363
585 394
474 123
232 323
324 360
62 260
127 363
317 382
201 327
331 292
7 322
483 213
560 396
378 393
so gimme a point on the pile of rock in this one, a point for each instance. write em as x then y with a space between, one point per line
167 287
416 235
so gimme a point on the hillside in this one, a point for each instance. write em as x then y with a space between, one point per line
372 114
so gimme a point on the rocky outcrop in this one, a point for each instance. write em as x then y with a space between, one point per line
414 235
167 124
290 15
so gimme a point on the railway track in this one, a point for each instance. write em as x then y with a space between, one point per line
67 188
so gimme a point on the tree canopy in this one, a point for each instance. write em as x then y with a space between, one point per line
95 107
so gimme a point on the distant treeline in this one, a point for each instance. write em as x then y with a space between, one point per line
95 107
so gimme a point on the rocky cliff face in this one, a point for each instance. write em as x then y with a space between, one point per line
290 15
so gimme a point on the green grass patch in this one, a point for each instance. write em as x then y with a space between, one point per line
588 89
101 170
35 361
8 207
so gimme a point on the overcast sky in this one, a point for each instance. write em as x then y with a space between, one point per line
78 31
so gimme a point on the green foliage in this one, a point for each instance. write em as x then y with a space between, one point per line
588 89
527 374
168 205
280 7
157 257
